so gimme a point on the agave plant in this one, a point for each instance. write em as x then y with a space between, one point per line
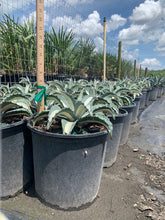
73 115
15 106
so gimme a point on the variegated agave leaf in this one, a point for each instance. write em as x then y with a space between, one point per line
122 90
17 88
98 118
127 100
23 103
39 116
16 112
102 108
66 100
5 88
88 102
15 97
67 126
6 106
54 110
54 99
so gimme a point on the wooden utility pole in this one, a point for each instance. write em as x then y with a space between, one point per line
40 49
138 68
140 71
119 60
134 68
104 50
146 70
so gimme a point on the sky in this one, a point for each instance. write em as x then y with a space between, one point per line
138 24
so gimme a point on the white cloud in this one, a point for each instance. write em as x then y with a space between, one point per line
161 43
147 23
115 22
89 27
131 35
130 55
10 5
146 12
32 16
151 63
99 44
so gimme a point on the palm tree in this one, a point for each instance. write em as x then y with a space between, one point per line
59 49
18 45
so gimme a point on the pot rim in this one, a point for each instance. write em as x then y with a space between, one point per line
2 127
49 134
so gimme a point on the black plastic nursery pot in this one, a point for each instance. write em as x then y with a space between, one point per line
126 123
114 141
159 92
136 109
148 97
154 94
143 100
16 159
67 168
162 91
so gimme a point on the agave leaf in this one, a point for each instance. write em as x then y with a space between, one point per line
110 95
67 126
40 115
57 85
6 106
16 112
22 103
122 90
103 108
27 88
100 100
5 88
88 102
55 100
16 97
98 118
126 100
25 80
81 95
114 104
66 113
80 110
17 88
52 114
66 99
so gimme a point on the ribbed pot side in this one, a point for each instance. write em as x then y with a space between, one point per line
16 158
114 141
143 100
154 94
136 109
68 168
126 123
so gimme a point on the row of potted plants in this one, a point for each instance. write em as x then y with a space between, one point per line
77 134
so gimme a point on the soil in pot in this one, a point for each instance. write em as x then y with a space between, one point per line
16 158
67 168
114 141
